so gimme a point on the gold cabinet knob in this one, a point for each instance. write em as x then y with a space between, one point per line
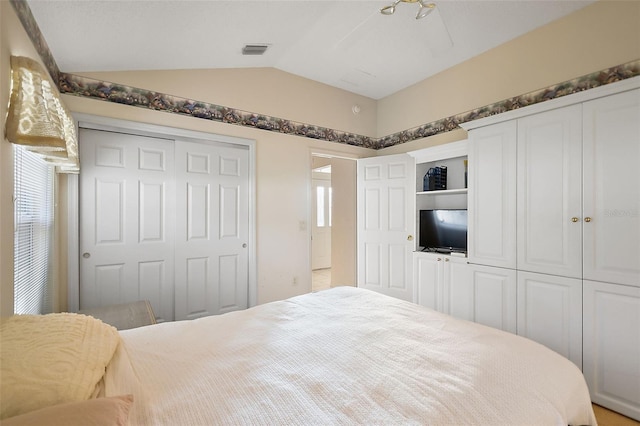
446 259
438 259
575 219
410 238
587 219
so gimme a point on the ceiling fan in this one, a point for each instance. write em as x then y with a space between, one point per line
423 10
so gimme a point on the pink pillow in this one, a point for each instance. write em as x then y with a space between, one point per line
112 411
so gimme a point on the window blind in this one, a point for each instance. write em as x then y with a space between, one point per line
33 235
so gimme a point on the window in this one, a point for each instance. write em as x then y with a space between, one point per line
33 234
323 206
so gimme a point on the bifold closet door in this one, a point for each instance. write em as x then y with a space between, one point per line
212 216
126 221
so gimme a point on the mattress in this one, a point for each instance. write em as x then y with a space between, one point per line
342 356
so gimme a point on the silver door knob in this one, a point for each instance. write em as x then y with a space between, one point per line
86 255
244 245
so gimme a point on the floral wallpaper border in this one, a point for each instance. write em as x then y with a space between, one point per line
112 92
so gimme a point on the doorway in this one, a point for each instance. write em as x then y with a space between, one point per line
333 221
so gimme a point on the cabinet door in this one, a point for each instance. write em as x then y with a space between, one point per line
549 192
456 276
492 195
612 188
612 346
550 312
428 271
487 297
386 222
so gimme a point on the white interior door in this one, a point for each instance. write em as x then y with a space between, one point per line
386 222
321 226
212 212
126 221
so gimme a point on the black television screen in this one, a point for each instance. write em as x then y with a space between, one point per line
443 230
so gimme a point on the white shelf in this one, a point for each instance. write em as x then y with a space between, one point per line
444 192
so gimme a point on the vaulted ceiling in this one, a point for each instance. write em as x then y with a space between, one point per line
346 44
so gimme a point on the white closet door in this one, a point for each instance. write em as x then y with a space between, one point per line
612 188
126 221
212 212
386 222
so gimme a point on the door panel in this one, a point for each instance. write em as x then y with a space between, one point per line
212 199
126 221
386 212
493 296
428 280
611 342
492 195
550 312
549 192
612 188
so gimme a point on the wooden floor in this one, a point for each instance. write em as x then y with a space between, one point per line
609 418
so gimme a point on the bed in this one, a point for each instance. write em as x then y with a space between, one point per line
341 356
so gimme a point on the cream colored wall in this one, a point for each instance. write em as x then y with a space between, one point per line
602 35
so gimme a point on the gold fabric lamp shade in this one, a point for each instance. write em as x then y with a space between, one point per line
38 119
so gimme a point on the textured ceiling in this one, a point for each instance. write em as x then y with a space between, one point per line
346 44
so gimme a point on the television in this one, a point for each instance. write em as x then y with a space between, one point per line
443 230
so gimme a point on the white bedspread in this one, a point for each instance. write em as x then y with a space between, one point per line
343 356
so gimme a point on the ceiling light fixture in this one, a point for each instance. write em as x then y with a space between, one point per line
424 7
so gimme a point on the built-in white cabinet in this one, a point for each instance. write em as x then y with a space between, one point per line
492 195
553 234
435 278
565 217
612 346
550 312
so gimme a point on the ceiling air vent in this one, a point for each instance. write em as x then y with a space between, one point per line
254 49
